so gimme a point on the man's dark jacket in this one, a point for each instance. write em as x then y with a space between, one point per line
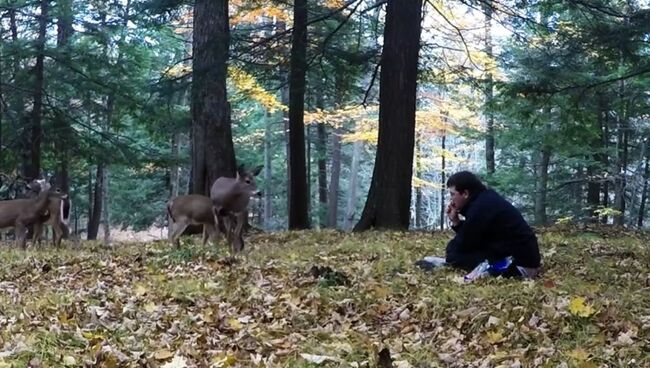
493 229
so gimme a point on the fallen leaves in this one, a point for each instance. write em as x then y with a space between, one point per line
272 307
579 307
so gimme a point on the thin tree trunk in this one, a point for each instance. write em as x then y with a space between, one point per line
96 213
173 169
644 193
605 159
418 189
321 149
489 92
298 190
268 195
333 195
443 181
389 198
542 187
352 189
106 208
213 153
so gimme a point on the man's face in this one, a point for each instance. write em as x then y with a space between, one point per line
458 199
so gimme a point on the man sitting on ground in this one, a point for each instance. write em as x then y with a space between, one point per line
488 228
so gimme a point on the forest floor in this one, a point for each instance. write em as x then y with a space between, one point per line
148 304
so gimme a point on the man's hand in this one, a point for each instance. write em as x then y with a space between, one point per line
452 213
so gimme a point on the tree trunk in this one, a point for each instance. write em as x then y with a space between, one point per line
352 190
443 182
63 134
173 169
213 153
389 198
32 156
96 213
333 195
106 208
644 193
542 187
268 174
322 173
418 189
298 192
605 157
489 92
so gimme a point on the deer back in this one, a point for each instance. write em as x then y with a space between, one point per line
195 207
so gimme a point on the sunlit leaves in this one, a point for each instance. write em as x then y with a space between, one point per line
579 307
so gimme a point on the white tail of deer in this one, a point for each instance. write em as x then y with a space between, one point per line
230 198
192 209
21 213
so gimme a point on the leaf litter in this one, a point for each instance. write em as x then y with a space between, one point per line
324 298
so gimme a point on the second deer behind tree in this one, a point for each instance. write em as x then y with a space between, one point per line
230 199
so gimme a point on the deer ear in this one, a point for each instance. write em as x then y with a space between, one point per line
257 170
241 170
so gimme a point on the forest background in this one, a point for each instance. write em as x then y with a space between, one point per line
129 103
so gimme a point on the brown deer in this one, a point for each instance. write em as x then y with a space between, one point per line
57 217
191 209
230 198
21 213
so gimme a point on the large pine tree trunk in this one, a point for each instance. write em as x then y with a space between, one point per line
63 134
333 195
389 198
32 156
298 192
620 181
213 154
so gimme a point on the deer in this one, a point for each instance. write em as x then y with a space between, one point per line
230 198
21 213
57 217
190 209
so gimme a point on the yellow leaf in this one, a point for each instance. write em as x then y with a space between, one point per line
495 337
163 354
223 360
140 290
235 324
580 308
150 307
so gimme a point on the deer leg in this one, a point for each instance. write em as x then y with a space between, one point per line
58 235
212 232
238 238
21 235
179 227
206 234
38 234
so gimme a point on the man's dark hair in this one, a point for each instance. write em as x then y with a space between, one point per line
465 180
